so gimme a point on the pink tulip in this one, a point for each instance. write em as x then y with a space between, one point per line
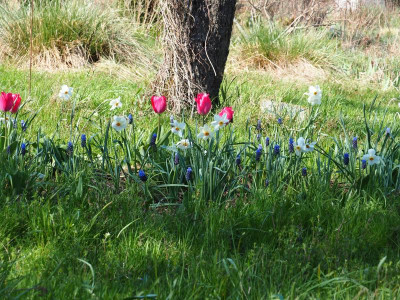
203 104
159 104
17 102
228 111
6 101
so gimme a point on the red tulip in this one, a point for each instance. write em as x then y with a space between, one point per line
203 104
6 101
159 104
17 102
228 111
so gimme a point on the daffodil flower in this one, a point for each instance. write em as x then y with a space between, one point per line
65 92
115 103
298 147
371 158
184 144
314 95
119 123
309 147
177 127
205 132
220 121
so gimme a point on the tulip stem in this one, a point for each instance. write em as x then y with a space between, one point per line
203 119
159 127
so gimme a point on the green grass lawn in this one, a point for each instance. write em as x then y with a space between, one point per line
312 243
84 226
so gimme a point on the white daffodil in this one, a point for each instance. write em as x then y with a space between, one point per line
4 120
308 147
184 144
65 92
178 128
219 121
371 158
205 132
298 147
314 95
119 123
115 103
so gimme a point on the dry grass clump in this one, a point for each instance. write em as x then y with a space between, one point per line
70 33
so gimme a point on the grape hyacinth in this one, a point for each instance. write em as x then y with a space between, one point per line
291 145
171 120
238 160
277 149
258 137
83 140
280 122
304 172
346 159
188 175
258 125
142 176
388 131
267 141
266 183
130 119
258 153
23 125
363 164
70 148
176 159
153 139
355 145
8 149
23 149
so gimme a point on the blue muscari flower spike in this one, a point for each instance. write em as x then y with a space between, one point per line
258 137
258 153
346 159
8 149
280 121
130 119
266 183
23 125
83 140
70 148
291 145
153 139
176 159
277 149
142 176
238 160
258 125
355 145
189 174
363 164
388 131
15 123
171 120
267 141
304 171
23 149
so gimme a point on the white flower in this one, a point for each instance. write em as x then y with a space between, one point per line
119 123
309 147
65 92
205 132
115 103
298 147
314 95
371 158
219 121
4 120
184 144
178 128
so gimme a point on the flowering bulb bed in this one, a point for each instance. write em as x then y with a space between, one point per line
202 160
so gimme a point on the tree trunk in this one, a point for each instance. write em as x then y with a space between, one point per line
196 43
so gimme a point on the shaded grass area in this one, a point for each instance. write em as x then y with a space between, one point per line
312 245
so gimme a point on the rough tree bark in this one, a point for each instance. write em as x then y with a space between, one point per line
196 43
